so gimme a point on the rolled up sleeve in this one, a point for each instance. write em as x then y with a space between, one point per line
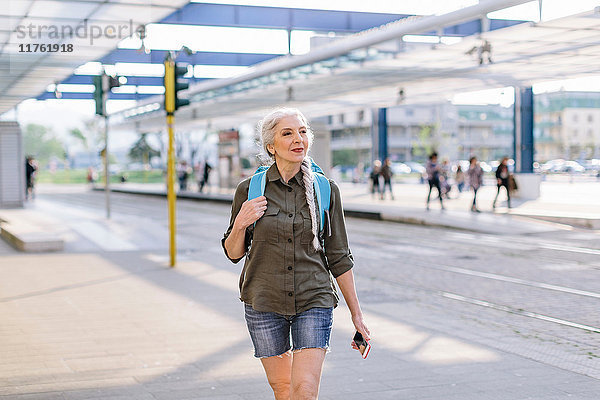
241 195
339 256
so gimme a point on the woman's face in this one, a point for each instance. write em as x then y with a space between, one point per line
291 140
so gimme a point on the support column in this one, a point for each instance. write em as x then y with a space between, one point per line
528 183
523 133
382 135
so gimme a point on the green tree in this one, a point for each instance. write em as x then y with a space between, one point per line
77 134
426 142
39 142
345 157
141 151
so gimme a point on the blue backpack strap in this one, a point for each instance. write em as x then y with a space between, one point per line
323 192
258 183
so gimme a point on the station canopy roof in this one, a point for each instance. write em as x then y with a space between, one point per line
382 74
30 68
373 68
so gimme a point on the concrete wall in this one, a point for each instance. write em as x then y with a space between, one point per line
12 165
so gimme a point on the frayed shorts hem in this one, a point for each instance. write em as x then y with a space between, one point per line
294 351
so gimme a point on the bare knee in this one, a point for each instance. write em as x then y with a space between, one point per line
305 390
281 389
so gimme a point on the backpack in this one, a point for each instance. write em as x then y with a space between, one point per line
321 185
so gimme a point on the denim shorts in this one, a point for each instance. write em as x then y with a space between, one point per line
270 332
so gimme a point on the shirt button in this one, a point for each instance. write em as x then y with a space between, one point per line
289 240
290 294
289 268
290 189
291 215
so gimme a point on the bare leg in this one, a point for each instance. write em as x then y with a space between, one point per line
496 198
306 374
279 373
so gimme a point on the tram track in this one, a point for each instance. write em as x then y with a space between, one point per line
489 304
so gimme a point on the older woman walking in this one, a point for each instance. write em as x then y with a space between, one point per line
287 280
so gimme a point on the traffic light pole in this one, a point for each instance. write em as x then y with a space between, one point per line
106 168
171 198
105 89
172 103
102 85
169 83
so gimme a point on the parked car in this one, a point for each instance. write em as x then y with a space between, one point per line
592 165
560 165
552 165
485 166
400 168
415 167
572 167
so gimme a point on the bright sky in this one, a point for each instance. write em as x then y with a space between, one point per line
273 41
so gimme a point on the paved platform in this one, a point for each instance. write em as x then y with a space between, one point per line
125 326
120 324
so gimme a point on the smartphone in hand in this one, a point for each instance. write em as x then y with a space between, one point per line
363 346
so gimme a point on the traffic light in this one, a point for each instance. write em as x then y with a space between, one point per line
102 85
173 86
99 95
113 82
180 71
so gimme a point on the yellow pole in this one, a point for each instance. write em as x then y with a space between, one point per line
171 191
169 82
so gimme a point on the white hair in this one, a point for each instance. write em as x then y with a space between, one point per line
266 134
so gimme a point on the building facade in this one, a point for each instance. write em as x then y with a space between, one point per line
567 125
454 131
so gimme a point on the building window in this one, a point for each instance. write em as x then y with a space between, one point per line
341 118
361 115
590 118
575 118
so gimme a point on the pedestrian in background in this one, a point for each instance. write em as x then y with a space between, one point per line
386 174
445 178
206 168
91 175
502 180
375 177
459 178
286 281
475 175
183 174
433 171
30 171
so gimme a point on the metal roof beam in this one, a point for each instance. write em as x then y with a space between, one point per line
90 96
395 30
278 17
204 58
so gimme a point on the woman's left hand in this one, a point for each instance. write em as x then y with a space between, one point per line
360 326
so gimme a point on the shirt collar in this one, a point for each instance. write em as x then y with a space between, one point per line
273 174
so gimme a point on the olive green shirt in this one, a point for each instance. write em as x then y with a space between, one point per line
282 272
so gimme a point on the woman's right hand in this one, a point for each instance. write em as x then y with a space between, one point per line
250 212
